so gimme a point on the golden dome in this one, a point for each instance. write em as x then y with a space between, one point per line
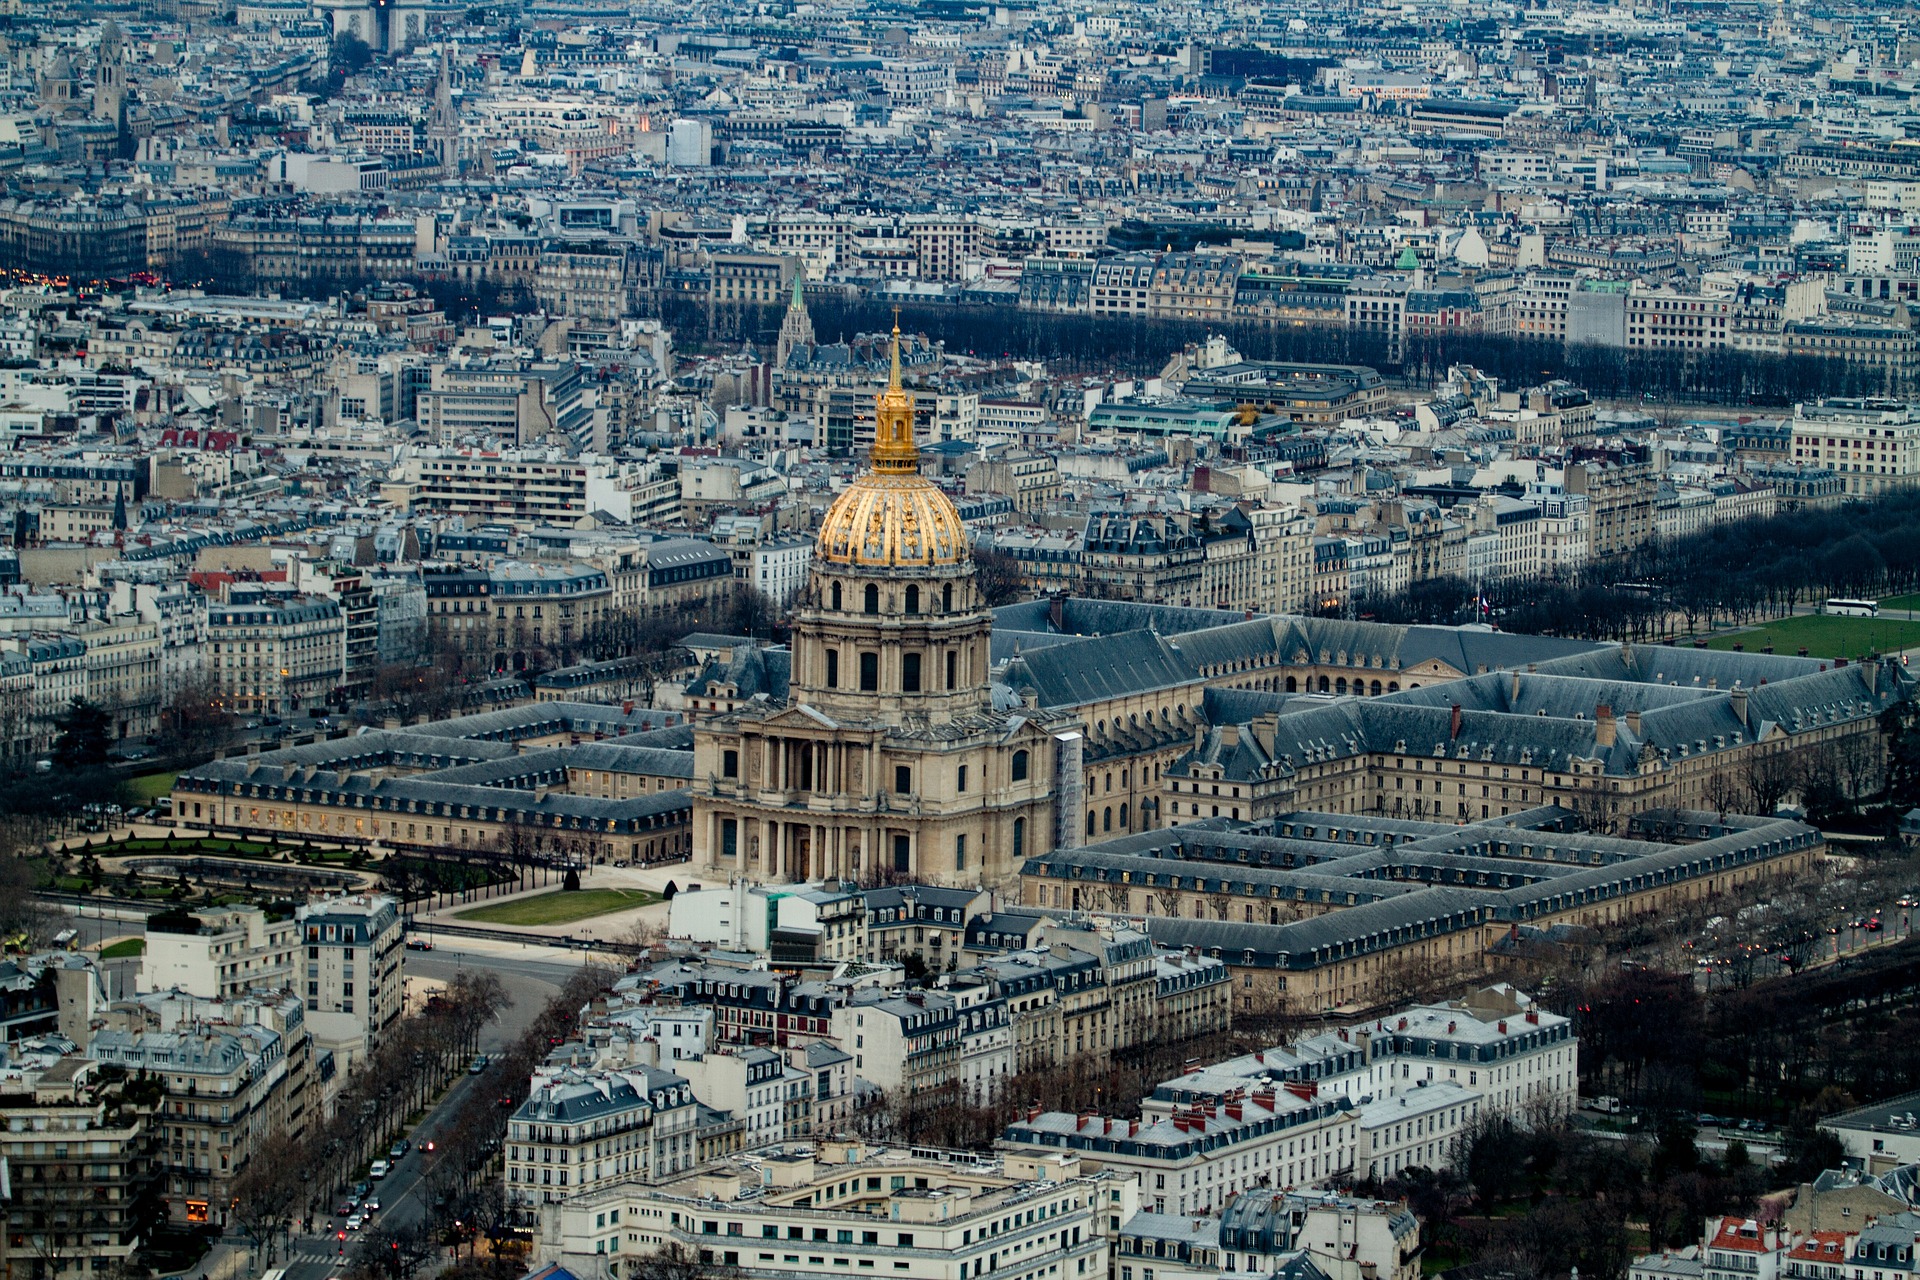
892 521
892 516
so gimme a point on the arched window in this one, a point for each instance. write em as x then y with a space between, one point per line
1123 817
1374 688
873 598
836 595
953 669
1090 821
1106 818
1019 836
1393 686
1019 766
910 673
946 598
833 668
913 599
1325 684
1340 686
1292 685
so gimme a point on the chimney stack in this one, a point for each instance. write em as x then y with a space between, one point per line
1453 724
1737 700
1603 725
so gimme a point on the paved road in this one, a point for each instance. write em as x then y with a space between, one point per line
401 1196
531 983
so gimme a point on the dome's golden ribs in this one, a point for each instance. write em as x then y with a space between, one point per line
892 521
893 516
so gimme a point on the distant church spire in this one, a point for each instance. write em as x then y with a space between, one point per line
110 76
443 125
796 329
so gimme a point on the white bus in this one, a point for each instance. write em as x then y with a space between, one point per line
1852 608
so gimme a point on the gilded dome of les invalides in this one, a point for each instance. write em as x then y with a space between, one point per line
892 516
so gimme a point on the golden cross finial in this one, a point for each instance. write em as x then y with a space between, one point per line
893 377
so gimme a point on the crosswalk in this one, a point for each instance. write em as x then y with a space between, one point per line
324 1257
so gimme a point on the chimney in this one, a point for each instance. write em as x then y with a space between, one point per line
1453 723
1633 723
1603 725
1737 700
1515 696
1503 1026
1057 610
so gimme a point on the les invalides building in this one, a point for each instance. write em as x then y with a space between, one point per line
895 754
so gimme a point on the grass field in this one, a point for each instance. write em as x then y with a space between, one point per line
560 907
187 846
1901 604
123 948
151 786
1826 637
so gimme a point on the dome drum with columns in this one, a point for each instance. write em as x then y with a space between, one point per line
890 755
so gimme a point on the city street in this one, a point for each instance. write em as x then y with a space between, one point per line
401 1195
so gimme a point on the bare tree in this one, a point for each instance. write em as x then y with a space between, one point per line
267 1193
195 720
1769 779
1722 793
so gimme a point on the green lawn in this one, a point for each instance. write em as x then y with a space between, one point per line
1901 604
560 907
151 786
123 948
186 846
1826 637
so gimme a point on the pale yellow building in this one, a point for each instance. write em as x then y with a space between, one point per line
889 757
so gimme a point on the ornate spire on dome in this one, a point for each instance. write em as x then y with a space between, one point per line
894 452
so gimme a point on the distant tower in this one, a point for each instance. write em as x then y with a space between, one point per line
443 126
56 84
796 330
110 76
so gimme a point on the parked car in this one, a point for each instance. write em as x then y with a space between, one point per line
379 1170
399 1149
